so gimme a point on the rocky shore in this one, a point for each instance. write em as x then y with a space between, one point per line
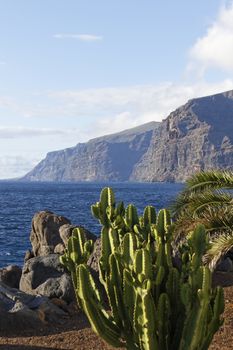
37 301
40 292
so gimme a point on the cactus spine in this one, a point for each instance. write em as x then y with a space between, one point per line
154 306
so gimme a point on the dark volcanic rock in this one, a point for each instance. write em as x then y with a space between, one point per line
20 310
45 275
11 275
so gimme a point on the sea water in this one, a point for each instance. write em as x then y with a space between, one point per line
19 201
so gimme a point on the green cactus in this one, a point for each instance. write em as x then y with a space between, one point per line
77 252
153 305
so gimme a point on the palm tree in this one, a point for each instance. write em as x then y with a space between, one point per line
207 199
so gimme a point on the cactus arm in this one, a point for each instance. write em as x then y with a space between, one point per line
129 293
113 240
149 216
142 264
99 210
163 314
216 321
106 200
114 288
193 334
131 217
100 321
146 322
163 222
105 246
130 244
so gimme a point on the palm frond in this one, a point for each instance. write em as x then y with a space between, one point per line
203 182
219 248
212 179
218 219
199 202
180 204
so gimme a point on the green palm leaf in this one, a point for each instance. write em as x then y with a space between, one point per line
219 248
207 199
213 179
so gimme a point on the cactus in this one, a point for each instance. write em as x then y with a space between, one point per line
153 305
77 252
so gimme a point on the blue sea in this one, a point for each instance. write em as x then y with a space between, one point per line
20 201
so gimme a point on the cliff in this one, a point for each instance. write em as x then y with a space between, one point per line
196 136
107 158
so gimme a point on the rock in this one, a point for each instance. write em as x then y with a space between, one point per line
59 249
45 232
11 275
20 310
57 287
11 322
49 312
46 276
28 255
224 279
95 256
66 231
225 265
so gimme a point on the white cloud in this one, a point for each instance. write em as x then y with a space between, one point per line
139 104
81 37
2 63
215 48
15 166
22 132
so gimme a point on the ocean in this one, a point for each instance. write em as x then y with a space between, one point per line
19 201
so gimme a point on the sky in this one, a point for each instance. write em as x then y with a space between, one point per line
71 70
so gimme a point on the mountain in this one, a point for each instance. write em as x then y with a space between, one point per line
107 158
196 136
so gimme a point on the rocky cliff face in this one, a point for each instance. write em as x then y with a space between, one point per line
196 136
107 158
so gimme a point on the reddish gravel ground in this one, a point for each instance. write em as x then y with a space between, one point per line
75 334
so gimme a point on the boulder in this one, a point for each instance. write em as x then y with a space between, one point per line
66 231
45 275
45 232
50 234
20 310
225 265
11 275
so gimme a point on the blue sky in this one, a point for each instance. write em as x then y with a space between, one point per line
71 70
